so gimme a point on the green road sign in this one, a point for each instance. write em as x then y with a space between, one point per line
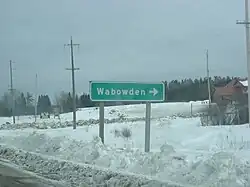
127 91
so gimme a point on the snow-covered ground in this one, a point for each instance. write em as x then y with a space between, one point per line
181 150
130 111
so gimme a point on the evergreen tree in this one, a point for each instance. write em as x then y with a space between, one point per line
175 90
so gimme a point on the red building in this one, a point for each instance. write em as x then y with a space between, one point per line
235 88
235 92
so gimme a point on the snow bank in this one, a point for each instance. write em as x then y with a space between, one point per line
221 169
76 174
207 170
59 124
159 110
95 153
11 175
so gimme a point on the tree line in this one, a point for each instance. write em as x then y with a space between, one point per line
176 91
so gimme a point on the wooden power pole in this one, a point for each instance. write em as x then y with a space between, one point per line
73 69
12 92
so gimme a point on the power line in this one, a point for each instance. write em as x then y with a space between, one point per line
12 92
73 69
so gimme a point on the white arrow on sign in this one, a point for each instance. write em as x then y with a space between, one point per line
154 91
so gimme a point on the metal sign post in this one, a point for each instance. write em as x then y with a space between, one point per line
101 121
147 127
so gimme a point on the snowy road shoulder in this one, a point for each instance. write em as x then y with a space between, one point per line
194 155
12 176
76 174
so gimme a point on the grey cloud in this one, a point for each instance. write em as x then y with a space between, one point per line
122 40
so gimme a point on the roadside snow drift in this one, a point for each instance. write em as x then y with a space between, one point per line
76 175
13 176
211 169
181 149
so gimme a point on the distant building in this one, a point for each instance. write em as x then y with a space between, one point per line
229 92
235 92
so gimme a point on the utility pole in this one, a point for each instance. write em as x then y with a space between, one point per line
12 93
73 69
36 98
208 81
246 23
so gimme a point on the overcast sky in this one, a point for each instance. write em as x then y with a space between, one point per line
139 40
